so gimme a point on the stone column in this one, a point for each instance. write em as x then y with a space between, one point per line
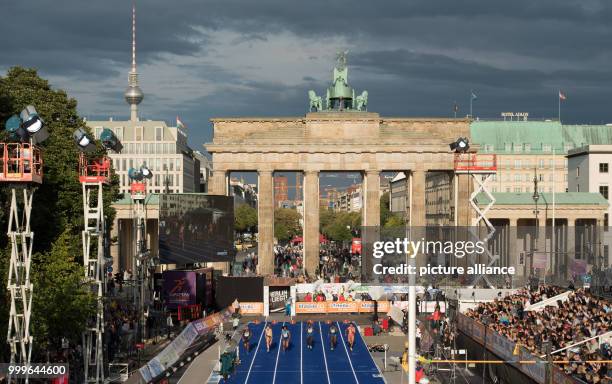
265 206
571 247
115 252
218 183
418 219
513 254
311 221
371 198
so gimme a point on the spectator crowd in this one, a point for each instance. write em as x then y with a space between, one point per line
565 324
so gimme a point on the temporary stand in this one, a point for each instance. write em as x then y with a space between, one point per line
93 175
482 167
21 166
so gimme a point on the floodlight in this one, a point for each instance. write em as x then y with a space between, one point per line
462 144
14 128
135 174
146 172
33 124
110 141
83 141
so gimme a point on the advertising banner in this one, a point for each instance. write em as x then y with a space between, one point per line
310 307
278 296
342 307
368 306
252 308
179 288
171 354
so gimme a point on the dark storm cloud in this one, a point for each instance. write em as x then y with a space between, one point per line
415 57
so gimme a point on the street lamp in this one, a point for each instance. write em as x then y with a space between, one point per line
535 197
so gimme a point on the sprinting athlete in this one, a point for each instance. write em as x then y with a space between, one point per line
286 336
309 335
350 333
246 338
333 336
268 334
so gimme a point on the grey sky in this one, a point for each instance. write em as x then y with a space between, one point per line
200 59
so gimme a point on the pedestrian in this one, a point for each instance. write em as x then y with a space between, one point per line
269 335
169 324
350 333
286 336
246 338
310 335
288 307
333 336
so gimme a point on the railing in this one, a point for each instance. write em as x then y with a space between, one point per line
475 162
94 171
505 348
20 163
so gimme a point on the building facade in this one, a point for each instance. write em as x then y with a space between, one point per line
528 149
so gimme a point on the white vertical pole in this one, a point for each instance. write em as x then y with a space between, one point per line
553 257
412 309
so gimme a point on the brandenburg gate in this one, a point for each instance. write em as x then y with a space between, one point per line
338 136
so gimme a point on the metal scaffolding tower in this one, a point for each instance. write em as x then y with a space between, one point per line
20 167
93 176
482 167
141 252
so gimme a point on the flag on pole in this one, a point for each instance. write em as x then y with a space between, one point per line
179 123
474 96
456 107
562 96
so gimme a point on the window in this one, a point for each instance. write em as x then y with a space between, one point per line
540 177
527 147
603 167
526 164
517 177
527 177
507 163
98 132
577 171
546 148
518 148
568 146
159 134
119 133
541 165
517 189
494 177
517 164
603 189
138 134
507 147
489 147
606 221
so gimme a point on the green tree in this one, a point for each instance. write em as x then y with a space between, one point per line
57 213
245 218
394 221
62 302
286 224
385 211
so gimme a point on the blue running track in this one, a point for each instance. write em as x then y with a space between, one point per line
300 365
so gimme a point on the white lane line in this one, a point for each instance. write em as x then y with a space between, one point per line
347 354
256 350
324 356
280 341
301 351
369 353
